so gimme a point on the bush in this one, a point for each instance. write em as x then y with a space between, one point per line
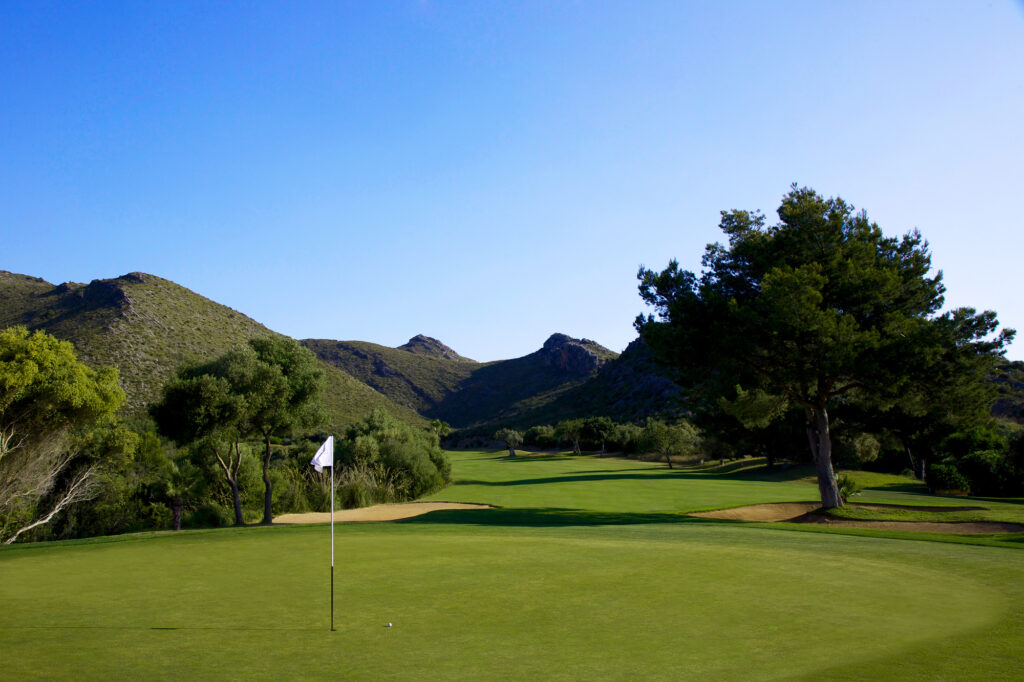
946 477
383 459
208 516
856 449
987 472
668 441
541 437
847 487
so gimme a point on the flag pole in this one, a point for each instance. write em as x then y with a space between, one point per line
324 457
332 546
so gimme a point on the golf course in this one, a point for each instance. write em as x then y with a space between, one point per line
586 568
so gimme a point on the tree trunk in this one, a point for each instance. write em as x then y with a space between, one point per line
239 521
913 466
268 493
176 507
668 460
511 451
821 448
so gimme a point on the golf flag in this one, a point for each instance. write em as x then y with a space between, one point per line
324 457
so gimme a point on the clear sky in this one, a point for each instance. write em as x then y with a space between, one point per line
489 173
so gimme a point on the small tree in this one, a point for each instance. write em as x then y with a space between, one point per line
669 441
440 428
283 389
511 438
598 430
571 430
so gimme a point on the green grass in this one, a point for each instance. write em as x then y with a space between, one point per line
607 484
590 571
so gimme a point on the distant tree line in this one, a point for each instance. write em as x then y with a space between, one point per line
672 441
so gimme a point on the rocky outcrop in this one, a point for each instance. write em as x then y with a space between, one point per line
636 378
425 345
577 356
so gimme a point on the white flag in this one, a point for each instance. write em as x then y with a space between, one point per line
324 457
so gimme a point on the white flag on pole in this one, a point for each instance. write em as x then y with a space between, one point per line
324 457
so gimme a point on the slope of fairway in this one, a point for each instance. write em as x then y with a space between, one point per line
472 599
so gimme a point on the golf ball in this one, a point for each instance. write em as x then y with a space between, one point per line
389 624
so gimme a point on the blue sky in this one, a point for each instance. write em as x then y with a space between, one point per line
491 173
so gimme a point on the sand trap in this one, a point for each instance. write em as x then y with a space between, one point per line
785 511
801 512
378 512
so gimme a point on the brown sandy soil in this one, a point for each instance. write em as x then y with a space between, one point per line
378 512
785 511
801 512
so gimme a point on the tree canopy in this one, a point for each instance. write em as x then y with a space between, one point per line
267 387
47 399
816 310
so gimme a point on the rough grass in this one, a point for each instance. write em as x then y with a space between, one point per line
591 572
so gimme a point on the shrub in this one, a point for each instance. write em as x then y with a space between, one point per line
380 454
987 472
847 487
946 477
208 516
541 436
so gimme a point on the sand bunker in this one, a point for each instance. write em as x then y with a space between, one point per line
802 512
378 512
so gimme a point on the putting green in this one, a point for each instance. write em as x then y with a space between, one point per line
698 599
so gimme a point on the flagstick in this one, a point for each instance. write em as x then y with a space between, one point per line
332 546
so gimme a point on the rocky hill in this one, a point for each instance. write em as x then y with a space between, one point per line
147 326
441 384
425 345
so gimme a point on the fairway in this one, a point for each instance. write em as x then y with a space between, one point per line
589 594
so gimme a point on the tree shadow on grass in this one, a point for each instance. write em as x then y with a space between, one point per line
548 517
644 474
754 469
562 479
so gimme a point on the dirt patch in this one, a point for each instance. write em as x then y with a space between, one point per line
378 512
803 512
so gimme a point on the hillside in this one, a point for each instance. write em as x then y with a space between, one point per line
628 388
411 378
440 384
147 326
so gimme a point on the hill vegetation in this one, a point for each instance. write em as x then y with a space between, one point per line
147 326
